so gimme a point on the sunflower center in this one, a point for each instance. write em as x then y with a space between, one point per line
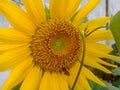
56 45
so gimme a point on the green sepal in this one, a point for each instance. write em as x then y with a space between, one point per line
17 87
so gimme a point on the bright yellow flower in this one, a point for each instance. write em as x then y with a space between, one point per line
45 53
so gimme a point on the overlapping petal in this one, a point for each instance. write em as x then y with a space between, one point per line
16 16
35 10
11 58
94 24
18 74
100 35
10 34
63 8
85 10
82 82
53 81
32 80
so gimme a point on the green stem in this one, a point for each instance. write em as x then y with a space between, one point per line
82 62
107 12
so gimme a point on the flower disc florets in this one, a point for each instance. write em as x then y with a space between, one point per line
56 45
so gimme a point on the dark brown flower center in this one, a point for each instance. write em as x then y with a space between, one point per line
56 45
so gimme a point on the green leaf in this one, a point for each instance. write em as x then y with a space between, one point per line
47 11
117 62
95 86
115 29
116 71
117 83
109 86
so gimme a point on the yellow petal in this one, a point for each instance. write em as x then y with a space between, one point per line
18 74
73 73
71 8
53 81
5 47
100 35
102 55
94 24
82 81
85 10
11 58
12 34
78 87
90 62
58 8
106 63
16 16
63 8
32 80
99 47
88 74
55 6
35 10
99 61
63 4
46 82
62 82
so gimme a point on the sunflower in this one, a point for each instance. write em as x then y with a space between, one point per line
44 50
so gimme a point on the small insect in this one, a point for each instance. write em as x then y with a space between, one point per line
66 72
